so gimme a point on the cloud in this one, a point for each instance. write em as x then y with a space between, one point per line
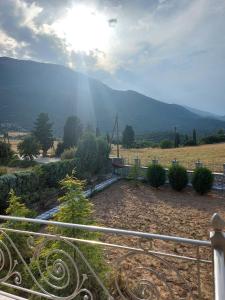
169 49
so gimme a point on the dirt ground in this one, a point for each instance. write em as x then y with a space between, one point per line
162 211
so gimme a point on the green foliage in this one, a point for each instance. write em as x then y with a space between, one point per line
72 132
213 139
103 151
178 177
194 137
156 175
134 174
177 140
202 180
166 144
3 171
87 154
29 147
68 153
76 209
128 137
50 174
59 149
21 163
6 152
43 132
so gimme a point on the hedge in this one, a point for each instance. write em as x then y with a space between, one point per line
29 182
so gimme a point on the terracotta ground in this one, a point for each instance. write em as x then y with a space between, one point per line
162 211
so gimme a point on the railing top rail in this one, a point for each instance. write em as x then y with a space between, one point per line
111 231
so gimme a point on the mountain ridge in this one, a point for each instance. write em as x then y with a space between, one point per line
28 88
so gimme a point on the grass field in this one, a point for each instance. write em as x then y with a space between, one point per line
212 156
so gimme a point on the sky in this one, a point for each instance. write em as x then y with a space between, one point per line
170 50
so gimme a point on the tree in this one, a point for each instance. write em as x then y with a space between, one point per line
60 253
43 132
128 137
103 149
29 147
72 132
6 152
194 137
166 144
97 132
87 153
177 140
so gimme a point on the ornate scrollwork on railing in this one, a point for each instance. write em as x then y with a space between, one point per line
58 270
148 276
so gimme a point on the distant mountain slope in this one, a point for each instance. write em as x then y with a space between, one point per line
202 113
28 88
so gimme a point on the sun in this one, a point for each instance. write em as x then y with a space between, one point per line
84 29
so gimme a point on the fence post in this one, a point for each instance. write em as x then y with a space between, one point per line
175 162
155 161
224 169
198 164
217 237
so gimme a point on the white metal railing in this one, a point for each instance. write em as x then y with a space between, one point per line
145 267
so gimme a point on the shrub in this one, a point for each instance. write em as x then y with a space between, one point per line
29 147
59 149
166 144
178 177
202 180
103 149
156 175
3 171
50 174
6 152
21 163
87 154
68 153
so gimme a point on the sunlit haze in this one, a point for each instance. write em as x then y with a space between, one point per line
171 50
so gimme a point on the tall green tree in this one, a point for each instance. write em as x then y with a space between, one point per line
43 132
72 132
194 137
128 137
87 154
177 140
29 147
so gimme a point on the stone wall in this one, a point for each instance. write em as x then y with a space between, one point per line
219 178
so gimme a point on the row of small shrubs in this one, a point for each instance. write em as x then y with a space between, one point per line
202 179
29 182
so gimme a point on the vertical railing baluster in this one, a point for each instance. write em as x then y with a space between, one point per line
199 274
217 237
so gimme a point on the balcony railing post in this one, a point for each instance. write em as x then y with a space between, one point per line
217 237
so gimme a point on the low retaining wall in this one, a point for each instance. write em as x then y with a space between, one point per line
219 178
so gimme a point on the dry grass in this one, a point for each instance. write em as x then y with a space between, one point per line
212 156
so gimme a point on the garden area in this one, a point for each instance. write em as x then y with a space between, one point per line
161 211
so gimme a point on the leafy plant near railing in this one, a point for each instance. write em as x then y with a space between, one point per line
202 180
178 177
78 210
156 175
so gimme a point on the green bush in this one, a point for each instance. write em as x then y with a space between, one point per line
202 180
3 171
6 152
156 175
50 174
68 153
19 163
21 183
166 144
178 177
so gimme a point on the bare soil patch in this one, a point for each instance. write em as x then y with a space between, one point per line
167 212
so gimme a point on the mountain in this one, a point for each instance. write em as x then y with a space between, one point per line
203 113
28 88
